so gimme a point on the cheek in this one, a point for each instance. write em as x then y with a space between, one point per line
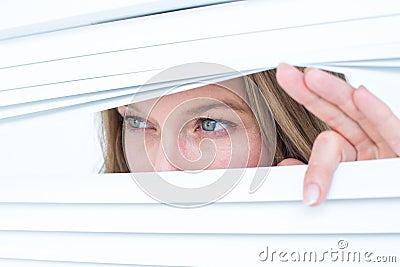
189 147
223 156
255 145
139 152
245 150
239 150
206 153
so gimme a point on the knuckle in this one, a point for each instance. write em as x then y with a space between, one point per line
334 120
329 137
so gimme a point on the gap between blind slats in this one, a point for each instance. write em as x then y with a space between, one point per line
106 99
18 107
363 195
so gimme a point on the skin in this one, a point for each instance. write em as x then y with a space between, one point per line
171 137
363 128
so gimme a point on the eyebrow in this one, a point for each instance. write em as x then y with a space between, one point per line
223 104
133 107
203 108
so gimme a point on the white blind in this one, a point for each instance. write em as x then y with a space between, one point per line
61 64
109 61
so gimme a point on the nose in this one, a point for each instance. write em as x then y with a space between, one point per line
162 162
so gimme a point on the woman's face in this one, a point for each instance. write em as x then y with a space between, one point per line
210 127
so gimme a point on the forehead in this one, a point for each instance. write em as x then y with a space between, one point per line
227 92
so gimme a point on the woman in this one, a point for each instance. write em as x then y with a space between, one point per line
320 121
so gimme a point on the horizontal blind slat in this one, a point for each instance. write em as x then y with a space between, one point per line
220 20
189 250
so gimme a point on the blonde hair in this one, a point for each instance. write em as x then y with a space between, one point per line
296 127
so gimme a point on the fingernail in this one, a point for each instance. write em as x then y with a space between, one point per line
283 64
363 88
311 194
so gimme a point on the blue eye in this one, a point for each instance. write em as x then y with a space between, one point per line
211 125
137 122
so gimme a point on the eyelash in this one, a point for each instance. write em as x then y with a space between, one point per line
198 124
133 128
213 133
223 123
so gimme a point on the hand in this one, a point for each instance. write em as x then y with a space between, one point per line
363 127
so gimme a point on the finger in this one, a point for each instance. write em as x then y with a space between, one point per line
338 92
292 81
329 149
290 162
381 117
